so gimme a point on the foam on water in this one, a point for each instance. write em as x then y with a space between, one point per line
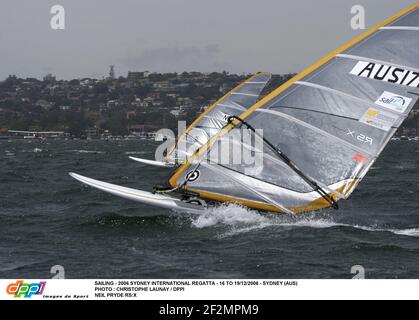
241 220
88 151
407 232
230 215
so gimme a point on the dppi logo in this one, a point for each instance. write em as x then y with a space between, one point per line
27 290
396 100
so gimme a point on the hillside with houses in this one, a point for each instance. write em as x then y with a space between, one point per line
139 102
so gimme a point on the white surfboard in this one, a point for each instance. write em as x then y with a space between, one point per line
153 163
145 197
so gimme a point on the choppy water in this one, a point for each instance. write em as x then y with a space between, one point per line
47 218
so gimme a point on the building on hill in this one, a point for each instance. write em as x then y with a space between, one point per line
135 76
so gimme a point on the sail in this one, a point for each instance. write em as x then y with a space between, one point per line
332 121
215 118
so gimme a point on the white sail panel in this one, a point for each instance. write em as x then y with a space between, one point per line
210 123
411 19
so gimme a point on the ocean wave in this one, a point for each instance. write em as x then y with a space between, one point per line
87 151
9 153
135 152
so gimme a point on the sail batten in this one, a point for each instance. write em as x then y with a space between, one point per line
255 82
245 94
232 106
401 28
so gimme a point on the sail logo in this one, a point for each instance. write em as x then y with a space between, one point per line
225 117
386 73
192 176
394 102
380 119
20 289
360 137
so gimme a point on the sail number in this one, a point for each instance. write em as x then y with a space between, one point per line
360 137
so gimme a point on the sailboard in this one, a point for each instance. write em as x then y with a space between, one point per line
145 197
322 130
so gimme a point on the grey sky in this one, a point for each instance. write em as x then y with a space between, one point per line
176 35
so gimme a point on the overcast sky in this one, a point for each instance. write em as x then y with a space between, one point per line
176 35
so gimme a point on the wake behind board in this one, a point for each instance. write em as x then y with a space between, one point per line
140 196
